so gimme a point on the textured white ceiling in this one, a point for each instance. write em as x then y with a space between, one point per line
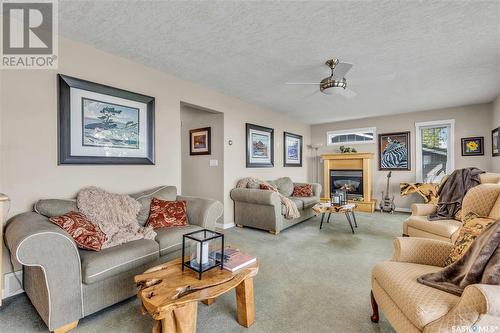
407 56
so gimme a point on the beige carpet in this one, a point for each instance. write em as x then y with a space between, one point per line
310 280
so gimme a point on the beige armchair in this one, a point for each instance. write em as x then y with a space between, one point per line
417 225
413 307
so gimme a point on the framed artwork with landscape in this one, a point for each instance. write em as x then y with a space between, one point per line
495 142
200 141
394 151
259 146
292 150
99 124
473 146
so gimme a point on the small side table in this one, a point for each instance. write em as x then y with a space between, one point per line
348 210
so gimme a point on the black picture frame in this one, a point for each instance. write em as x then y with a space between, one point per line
495 142
285 149
65 83
465 141
209 141
249 163
382 137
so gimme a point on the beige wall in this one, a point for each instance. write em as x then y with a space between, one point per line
28 131
471 120
495 161
198 177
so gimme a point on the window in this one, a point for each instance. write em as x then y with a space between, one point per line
434 150
352 136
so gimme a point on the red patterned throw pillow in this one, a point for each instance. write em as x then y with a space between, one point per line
87 236
166 214
268 187
305 190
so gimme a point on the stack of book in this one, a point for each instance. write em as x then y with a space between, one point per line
234 259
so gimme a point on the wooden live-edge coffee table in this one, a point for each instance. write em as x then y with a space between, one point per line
347 209
171 295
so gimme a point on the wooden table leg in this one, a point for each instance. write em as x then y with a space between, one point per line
180 320
209 301
244 303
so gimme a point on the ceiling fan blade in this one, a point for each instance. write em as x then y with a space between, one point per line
317 83
341 70
347 93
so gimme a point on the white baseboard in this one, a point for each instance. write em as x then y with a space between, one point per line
226 225
11 284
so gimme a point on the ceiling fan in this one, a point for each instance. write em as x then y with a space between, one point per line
336 80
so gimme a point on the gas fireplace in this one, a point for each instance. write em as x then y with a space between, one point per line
352 180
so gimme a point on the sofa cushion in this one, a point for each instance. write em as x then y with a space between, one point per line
55 207
419 303
97 266
170 239
443 228
284 186
168 193
308 201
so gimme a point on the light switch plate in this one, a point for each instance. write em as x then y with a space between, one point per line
214 163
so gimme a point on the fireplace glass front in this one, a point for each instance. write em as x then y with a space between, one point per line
350 179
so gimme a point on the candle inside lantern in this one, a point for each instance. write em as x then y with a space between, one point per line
203 256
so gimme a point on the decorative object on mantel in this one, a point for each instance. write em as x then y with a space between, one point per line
99 124
394 151
473 146
428 191
292 150
387 203
354 169
344 150
203 246
200 141
495 142
259 146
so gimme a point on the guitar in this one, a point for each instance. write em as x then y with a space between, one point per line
387 203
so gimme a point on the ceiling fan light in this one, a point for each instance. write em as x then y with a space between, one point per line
327 85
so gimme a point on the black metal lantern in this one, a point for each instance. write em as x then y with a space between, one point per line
343 194
336 199
206 250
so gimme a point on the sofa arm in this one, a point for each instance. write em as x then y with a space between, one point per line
479 305
256 196
202 212
423 209
34 241
421 251
315 187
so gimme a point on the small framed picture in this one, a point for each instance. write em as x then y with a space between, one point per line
495 142
100 124
394 151
473 146
200 141
292 152
260 146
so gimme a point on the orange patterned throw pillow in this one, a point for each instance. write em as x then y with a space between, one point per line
167 214
305 190
87 236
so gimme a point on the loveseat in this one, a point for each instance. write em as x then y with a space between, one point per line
417 225
66 283
413 307
262 209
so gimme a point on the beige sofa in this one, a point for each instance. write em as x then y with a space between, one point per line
417 225
262 209
413 307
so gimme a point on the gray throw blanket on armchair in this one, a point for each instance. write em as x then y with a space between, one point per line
451 193
480 264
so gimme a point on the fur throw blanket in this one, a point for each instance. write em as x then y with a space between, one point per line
480 264
115 214
291 211
452 192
